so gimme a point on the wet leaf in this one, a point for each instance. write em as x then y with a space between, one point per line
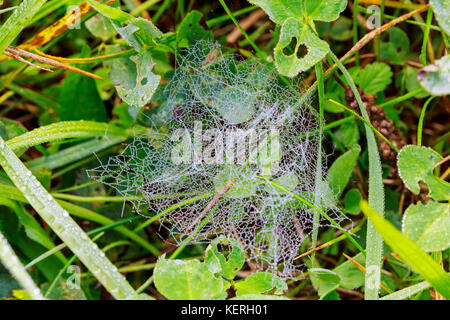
374 78
324 281
259 283
309 48
441 9
428 225
435 78
188 279
416 164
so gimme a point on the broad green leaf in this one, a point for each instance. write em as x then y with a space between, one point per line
280 10
324 280
348 134
290 64
190 31
341 29
428 225
352 200
188 279
351 277
80 100
374 78
396 47
259 283
435 78
410 252
441 9
341 170
324 10
231 263
415 164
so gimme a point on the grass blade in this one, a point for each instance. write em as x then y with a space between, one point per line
63 225
12 263
374 247
17 21
410 252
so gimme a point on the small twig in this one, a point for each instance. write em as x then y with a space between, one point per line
210 205
19 54
245 24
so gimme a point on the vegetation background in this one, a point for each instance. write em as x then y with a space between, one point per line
75 86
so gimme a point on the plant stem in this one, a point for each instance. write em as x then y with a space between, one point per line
421 119
319 173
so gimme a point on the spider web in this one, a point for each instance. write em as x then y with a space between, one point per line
214 107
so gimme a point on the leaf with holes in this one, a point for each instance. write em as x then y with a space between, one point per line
308 48
230 264
435 78
428 225
396 48
134 79
416 164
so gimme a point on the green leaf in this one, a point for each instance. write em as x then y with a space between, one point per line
374 78
428 225
441 9
232 263
280 10
100 27
324 10
416 164
396 48
290 64
409 251
134 79
80 100
352 200
324 280
259 283
435 78
341 170
188 279
348 134
138 32
190 31
341 29
351 277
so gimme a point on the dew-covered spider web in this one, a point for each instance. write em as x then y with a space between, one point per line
232 151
